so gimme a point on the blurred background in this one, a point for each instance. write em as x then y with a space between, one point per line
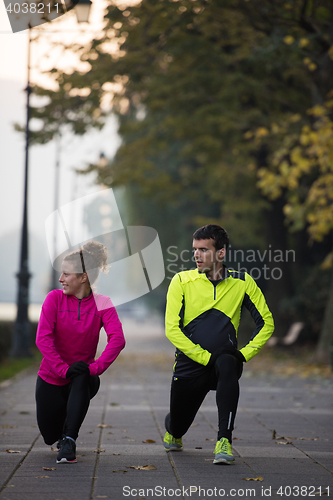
193 112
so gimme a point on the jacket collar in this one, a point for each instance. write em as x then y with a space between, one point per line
203 275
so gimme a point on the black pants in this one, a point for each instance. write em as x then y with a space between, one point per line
188 394
62 409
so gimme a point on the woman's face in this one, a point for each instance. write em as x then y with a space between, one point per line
71 283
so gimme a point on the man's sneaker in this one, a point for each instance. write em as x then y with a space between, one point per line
171 443
67 451
223 454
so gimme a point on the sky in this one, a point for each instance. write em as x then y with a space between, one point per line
75 152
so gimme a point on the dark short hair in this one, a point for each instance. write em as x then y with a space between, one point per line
214 232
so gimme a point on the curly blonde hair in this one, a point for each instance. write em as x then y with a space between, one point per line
91 258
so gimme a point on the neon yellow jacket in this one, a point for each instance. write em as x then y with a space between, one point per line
201 317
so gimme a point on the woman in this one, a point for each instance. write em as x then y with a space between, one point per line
67 336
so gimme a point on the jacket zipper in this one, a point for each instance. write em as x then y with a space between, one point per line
79 309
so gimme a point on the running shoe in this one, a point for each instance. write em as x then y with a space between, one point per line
171 443
223 453
67 452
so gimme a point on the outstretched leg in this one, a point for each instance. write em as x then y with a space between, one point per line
51 403
186 398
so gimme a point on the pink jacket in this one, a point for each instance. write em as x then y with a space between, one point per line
68 331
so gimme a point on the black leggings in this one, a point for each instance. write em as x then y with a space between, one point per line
188 394
61 409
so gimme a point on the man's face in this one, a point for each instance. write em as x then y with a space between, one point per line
206 256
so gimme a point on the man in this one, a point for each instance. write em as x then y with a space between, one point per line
202 317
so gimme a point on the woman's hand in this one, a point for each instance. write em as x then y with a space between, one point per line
77 368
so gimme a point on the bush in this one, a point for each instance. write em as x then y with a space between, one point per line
6 336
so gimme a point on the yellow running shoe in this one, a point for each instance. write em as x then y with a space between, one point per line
223 453
171 443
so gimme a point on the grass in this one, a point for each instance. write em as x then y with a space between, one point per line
12 366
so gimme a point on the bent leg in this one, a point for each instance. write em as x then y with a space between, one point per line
81 390
228 371
186 398
51 410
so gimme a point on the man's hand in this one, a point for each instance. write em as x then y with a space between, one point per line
77 368
225 350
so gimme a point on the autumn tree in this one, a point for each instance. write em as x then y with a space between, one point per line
198 86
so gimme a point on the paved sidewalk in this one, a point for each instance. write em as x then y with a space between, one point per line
282 441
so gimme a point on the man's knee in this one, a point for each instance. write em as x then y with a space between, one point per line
226 364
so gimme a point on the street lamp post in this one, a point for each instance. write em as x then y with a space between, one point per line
22 330
55 274
82 9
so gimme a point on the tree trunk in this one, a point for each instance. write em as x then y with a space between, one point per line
322 354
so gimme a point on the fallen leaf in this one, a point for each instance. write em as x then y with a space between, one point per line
283 442
114 404
98 450
13 451
274 434
116 453
122 471
253 478
103 426
149 441
207 439
307 439
5 426
49 468
143 467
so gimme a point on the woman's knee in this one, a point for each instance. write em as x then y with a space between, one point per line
81 380
50 440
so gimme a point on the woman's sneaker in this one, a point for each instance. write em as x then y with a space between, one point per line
223 453
67 451
171 443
